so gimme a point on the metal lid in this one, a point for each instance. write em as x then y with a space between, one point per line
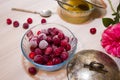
92 65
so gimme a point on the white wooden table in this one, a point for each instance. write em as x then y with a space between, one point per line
10 38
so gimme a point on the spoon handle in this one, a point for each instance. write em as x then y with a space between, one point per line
23 10
64 3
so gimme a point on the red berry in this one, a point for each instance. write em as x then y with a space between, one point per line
48 50
56 41
64 43
45 59
29 20
43 21
38 51
56 60
31 55
38 59
49 63
25 25
68 47
64 55
32 70
49 39
29 34
57 51
15 23
38 32
32 48
93 30
9 21
61 35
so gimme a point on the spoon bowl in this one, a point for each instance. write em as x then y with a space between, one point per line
43 13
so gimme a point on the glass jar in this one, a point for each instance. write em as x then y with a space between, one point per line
74 14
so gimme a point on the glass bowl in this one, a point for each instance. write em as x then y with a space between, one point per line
75 15
25 45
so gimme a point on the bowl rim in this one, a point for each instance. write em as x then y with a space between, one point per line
47 66
90 10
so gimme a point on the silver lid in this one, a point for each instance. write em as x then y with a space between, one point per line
92 65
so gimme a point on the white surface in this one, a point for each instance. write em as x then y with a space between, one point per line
10 52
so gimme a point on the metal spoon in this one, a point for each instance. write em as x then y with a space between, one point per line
79 6
43 13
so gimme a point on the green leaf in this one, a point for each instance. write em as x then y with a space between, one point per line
118 8
107 21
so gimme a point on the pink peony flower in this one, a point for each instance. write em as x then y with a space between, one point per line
111 40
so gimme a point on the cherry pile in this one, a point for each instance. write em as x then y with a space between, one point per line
49 46
25 24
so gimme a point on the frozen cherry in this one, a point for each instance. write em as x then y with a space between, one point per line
32 70
15 23
43 44
43 21
45 59
49 63
9 21
64 43
38 51
31 55
61 35
29 34
29 20
93 30
38 59
56 60
49 39
48 50
42 36
32 48
64 55
68 47
56 41
57 51
25 25
33 43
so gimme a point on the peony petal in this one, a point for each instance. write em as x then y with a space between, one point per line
116 30
118 51
108 49
114 52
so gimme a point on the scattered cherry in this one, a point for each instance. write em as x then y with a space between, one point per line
93 30
29 20
25 25
43 21
15 23
32 70
9 21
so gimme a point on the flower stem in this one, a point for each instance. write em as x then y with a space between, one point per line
111 6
